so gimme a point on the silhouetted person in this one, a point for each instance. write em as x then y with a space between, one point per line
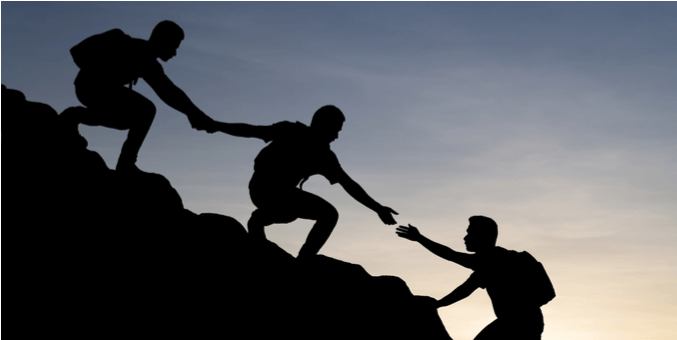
111 60
296 152
516 283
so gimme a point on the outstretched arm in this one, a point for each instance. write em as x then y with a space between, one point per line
460 293
241 130
173 96
359 194
411 233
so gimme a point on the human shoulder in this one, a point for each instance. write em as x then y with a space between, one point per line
141 51
513 255
488 264
501 256
502 251
114 33
283 130
118 38
289 126
141 45
288 129
490 260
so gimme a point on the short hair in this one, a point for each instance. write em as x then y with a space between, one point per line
486 225
167 30
327 115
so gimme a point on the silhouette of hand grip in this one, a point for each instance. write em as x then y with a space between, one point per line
202 122
386 215
211 126
410 232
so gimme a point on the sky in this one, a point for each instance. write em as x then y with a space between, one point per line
556 119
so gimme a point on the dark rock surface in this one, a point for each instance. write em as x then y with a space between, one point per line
94 254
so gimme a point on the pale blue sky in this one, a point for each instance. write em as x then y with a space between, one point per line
556 119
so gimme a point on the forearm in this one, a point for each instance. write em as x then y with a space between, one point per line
359 194
236 129
173 96
458 294
179 101
465 260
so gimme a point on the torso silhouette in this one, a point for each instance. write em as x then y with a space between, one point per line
113 58
502 273
291 157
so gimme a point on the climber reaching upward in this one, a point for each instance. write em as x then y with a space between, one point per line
516 283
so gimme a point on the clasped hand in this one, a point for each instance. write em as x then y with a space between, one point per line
203 123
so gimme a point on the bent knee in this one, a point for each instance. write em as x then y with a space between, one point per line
148 110
329 214
144 115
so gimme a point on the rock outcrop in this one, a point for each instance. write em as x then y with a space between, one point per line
95 254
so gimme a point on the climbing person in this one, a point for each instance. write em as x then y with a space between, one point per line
516 282
294 153
112 60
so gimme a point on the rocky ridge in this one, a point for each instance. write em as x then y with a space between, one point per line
97 253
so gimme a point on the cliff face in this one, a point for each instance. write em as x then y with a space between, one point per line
95 253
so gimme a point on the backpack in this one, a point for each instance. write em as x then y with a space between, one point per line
102 51
537 287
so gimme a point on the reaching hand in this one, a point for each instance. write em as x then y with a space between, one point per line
386 215
410 232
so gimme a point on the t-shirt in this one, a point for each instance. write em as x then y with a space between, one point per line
293 156
128 63
498 272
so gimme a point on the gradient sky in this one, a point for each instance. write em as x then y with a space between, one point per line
556 119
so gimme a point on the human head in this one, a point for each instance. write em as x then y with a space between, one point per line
482 234
166 38
328 121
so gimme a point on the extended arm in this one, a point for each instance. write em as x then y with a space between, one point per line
460 293
411 233
359 194
240 129
173 96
